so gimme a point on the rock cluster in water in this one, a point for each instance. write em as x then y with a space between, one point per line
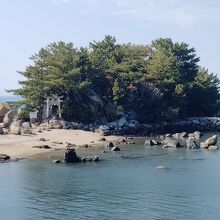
70 156
185 140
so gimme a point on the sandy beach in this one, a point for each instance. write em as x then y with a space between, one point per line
22 145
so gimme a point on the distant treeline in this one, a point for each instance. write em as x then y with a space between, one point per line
159 82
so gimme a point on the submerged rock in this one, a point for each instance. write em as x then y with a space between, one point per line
213 148
115 149
56 161
161 167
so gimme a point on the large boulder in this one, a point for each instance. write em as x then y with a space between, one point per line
212 141
104 127
151 142
4 109
70 156
9 117
191 143
112 125
171 143
15 128
196 134
26 128
122 122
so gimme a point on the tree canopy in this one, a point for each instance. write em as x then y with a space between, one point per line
160 81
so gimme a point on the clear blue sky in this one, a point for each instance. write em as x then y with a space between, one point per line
28 25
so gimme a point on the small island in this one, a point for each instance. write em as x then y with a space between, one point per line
110 91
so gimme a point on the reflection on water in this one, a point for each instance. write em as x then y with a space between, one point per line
124 185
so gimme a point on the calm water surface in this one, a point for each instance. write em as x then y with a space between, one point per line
123 185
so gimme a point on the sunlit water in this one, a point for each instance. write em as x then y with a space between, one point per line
124 185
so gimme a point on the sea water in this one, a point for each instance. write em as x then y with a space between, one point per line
4 99
123 185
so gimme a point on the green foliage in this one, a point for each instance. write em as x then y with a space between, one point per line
161 81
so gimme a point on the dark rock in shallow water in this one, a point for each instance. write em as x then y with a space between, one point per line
70 156
115 149
4 157
56 161
109 145
151 142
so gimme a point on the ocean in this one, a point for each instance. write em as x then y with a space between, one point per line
123 186
4 99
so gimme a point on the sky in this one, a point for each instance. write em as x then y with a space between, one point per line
28 25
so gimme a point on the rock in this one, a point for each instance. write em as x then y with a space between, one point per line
4 109
131 126
203 145
148 143
9 117
15 128
213 148
102 140
1 131
170 143
176 136
57 142
122 141
115 149
113 125
42 139
122 122
168 135
57 124
191 143
85 146
183 135
70 156
56 161
109 145
26 125
4 157
104 127
212 140
196 134
75 125
151 142
92 158
161 167
45 146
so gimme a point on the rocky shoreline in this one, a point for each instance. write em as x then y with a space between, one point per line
125 126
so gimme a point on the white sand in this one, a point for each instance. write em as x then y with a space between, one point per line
22 145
